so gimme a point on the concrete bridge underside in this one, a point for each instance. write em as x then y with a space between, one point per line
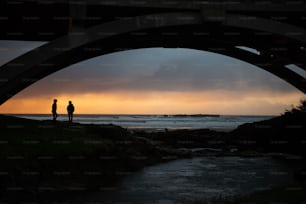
213 29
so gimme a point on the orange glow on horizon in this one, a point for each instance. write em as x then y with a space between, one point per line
158 103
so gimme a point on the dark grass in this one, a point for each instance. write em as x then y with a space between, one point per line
63 157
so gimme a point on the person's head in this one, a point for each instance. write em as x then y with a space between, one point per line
70 102
55 100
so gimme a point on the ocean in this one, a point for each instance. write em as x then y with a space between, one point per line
159 122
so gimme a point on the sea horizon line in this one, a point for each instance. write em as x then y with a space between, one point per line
146 114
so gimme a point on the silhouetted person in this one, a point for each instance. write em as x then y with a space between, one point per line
54 107
70 110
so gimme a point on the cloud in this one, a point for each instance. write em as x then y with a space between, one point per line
12 49
153 69
160 70
157 103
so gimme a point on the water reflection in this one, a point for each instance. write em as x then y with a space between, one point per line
199 179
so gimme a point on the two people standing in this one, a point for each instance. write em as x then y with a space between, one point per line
70 110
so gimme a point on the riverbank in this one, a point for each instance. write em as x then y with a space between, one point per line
47 161
42 160
284 134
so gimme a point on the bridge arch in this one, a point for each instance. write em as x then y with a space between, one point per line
185 29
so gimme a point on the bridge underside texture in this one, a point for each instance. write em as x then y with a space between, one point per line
82 31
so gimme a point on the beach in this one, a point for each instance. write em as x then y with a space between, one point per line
55 161
158 123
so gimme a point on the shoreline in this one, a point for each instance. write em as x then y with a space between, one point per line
106 152
156 123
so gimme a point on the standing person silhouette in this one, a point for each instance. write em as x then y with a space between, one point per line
54 107
70 110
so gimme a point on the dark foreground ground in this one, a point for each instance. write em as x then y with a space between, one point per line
42 161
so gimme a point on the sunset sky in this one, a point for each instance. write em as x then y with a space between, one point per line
154 81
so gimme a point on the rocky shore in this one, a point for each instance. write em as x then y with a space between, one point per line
43 160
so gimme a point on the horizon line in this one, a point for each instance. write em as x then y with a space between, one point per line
197 114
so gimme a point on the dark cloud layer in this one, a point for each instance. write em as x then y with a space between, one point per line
154 69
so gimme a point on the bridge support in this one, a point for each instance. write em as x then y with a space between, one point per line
106 38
